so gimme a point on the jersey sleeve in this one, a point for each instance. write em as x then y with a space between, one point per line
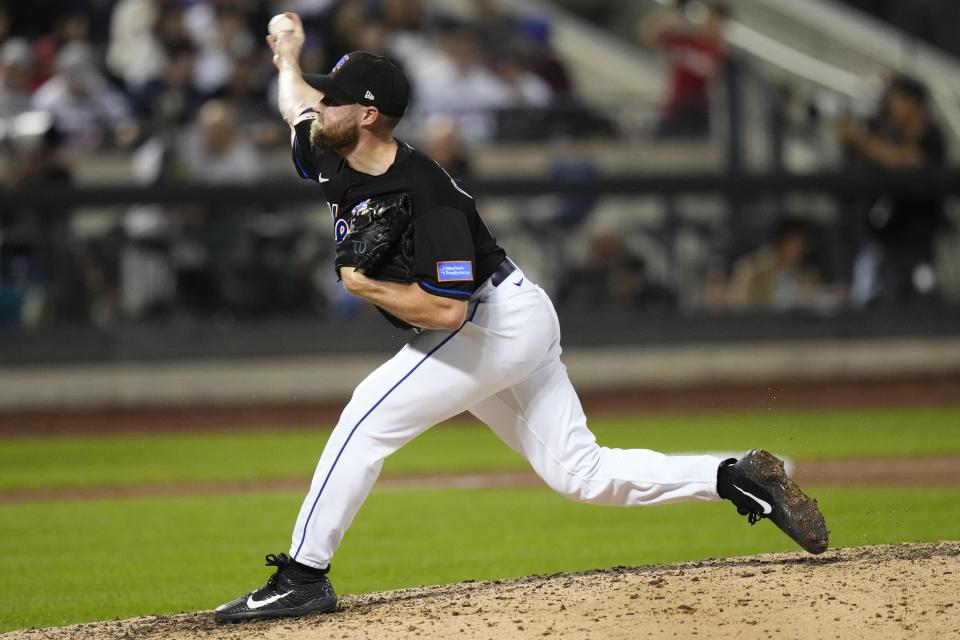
444 256
304 158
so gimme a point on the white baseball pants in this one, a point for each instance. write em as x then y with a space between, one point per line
503 365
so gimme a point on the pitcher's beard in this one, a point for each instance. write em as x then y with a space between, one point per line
338 136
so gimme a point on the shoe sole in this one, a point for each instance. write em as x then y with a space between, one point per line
797 514
321 605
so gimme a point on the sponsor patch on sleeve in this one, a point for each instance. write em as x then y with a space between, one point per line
455 271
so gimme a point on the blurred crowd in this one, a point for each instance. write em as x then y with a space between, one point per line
187 90
116 72
871 252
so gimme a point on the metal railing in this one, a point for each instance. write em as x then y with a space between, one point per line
678 227
731 184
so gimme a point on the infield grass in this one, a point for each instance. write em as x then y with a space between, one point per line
450 448
81 561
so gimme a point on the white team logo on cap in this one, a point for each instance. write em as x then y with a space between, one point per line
368 95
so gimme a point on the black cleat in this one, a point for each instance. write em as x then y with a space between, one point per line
759 487
293 590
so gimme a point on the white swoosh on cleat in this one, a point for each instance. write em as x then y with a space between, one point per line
256 604
767 509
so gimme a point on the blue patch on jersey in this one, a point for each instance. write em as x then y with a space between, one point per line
340 230
455 271
340 63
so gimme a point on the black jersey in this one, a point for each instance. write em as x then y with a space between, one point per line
454 252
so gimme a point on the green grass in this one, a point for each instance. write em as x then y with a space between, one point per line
81 561
66 562
98 460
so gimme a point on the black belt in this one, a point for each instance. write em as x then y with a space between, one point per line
503 272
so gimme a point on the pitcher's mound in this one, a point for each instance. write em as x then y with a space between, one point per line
888 591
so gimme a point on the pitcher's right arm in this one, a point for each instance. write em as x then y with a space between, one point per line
294 95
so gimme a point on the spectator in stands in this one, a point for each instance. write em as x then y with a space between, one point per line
777 277
567 115
494 29
246 91
506 46
216 151
344 30
632 285
410 39
904 138
41 281
590 284
15 61
355 28
455 81
37 152
527 90
222 37
84 106
372 37
542 59
44 62
614 275
441 142
407 18
696 54
142 32
170 101
73 25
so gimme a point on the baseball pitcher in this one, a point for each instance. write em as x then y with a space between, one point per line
486 340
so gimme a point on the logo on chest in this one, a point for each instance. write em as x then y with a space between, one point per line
346 224
455 271
340 230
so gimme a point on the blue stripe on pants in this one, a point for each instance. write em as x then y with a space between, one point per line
356 426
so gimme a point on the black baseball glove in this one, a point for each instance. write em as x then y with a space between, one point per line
379 238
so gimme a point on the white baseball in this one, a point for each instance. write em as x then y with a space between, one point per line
280 23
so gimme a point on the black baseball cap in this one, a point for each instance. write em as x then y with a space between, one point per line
365 78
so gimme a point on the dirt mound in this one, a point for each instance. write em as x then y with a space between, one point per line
887 591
